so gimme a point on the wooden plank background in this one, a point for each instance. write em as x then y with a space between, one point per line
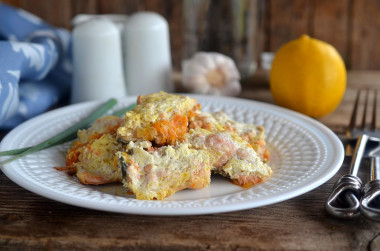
352 26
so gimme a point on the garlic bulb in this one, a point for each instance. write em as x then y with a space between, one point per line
211 73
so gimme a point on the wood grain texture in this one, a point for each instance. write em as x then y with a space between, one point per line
289 26
365 26
56 12
117 6
84 7
330 23
349 25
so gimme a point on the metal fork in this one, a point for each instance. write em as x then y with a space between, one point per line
344 201
353 131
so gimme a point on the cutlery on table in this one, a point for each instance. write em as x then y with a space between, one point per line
370 202
346 197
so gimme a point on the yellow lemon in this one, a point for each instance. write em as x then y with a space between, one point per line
308 76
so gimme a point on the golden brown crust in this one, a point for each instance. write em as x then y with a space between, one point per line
168 144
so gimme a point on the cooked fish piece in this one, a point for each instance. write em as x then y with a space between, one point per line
161 118
167 144
97 162
104 125
156 173
230 156
220 121
92 156
164 171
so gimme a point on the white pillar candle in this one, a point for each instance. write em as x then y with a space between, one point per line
147 54
97 60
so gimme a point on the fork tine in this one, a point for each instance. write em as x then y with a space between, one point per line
364 119
374 112
352 124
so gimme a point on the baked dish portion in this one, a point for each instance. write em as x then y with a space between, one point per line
161 118
165 170
167 144
92 156
231 156
220 121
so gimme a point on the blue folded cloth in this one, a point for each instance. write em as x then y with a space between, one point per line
35 66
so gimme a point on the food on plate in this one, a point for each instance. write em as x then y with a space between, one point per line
91 157
167 144
160 172
160 118
231 156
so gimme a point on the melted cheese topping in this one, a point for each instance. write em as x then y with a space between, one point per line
219 121
231 156
167 144
161 116
163 172
96 163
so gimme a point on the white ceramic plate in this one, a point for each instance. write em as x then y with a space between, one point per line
304 155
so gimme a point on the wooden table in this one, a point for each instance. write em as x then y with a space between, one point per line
29 221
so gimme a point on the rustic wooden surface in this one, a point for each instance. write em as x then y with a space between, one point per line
29 221
349 25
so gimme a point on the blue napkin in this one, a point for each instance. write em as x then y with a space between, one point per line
35 66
